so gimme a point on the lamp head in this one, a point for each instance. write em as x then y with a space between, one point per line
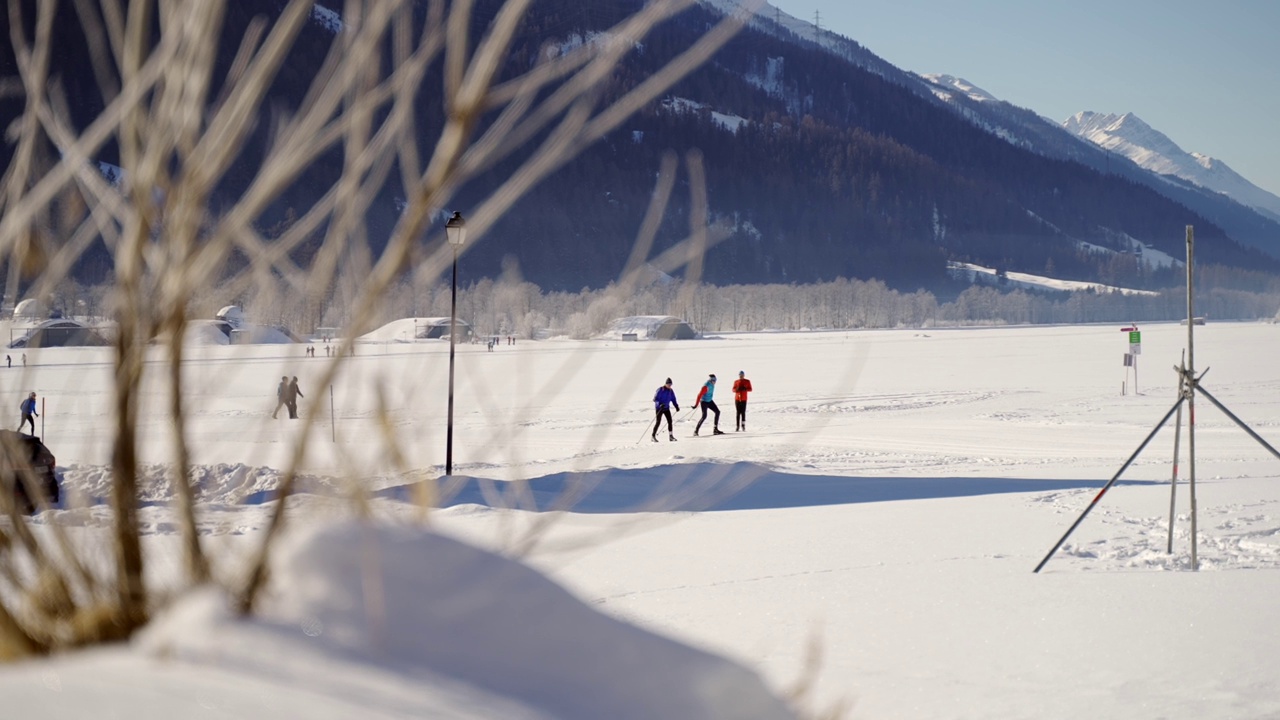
456 229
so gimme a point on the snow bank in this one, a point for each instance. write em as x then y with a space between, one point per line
266 335
403 330
207 332
418 604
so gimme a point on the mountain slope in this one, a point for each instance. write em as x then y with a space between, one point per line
1243 222
1129 136
821 161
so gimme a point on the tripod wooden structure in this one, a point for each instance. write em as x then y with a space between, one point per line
1189 386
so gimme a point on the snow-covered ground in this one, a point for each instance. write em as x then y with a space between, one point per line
871 536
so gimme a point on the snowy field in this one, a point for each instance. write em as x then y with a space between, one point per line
869 541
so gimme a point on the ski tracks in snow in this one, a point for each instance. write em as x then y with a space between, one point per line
886 402
1232 536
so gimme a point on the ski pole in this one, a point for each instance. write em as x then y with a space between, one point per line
641 438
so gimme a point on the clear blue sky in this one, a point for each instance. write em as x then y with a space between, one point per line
1207 74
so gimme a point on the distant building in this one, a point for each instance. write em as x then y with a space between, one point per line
61 333
438 327
30 310
229 327
651 327
232 315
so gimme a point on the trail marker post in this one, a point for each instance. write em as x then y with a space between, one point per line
1131 356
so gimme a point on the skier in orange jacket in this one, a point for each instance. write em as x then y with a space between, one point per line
741 387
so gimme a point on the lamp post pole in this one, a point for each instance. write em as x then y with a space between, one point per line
456 232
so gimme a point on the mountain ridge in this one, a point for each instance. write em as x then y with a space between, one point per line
1130 136
821 161
1249 225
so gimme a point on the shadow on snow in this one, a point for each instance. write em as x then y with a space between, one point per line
710 486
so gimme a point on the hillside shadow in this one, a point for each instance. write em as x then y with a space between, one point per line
715 487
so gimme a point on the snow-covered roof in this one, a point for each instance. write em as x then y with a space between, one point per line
231 314
407 329
60 332
643 326
29 309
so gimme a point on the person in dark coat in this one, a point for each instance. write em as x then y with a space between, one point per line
281 390
662 402
29 413
291 396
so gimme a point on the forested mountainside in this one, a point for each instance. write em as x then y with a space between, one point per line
818 167
1250 225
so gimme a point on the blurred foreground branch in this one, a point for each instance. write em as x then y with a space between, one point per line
179 127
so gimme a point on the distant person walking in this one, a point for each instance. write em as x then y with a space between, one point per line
741 387
281 389
29 413
9 360
291 396
706 402
24 359
662 402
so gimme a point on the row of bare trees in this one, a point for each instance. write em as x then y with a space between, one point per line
509 306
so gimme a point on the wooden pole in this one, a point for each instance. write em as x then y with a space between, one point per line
1173 483
1191 394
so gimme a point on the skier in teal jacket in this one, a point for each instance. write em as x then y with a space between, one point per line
706 402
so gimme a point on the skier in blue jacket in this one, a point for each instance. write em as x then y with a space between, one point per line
661 400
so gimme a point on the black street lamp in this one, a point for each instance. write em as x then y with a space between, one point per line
456 232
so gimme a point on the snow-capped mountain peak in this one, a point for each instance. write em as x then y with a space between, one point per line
1129 136
1126 134
960 85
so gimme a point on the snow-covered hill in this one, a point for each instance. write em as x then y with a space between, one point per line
1129 136
979 275
949 83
